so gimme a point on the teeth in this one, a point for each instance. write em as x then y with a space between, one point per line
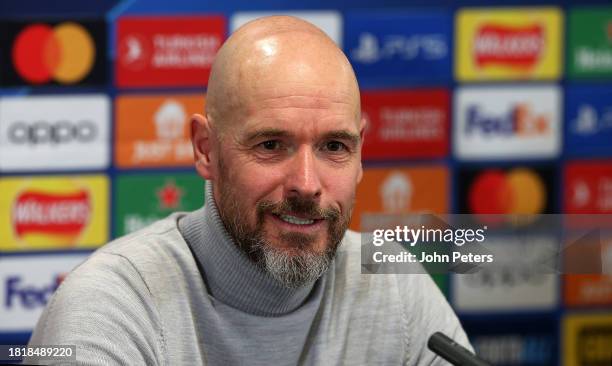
296 220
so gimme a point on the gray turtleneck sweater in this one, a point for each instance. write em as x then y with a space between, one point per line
181 293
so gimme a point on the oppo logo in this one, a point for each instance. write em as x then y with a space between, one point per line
59 132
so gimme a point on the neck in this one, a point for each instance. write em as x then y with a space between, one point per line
230 275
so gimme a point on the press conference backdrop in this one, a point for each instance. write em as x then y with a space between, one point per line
472 108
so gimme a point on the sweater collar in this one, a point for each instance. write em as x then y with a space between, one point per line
229 274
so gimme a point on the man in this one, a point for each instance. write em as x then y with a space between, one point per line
266 272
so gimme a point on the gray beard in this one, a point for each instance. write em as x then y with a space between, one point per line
292 270
293 267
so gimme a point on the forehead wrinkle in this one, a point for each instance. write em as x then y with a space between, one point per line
273 132
289 128
301 102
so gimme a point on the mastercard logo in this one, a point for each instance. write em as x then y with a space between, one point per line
517 191
64 53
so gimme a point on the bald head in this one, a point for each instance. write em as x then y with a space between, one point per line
281 141
274 53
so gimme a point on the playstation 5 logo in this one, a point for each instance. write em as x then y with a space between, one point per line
586 121
371 49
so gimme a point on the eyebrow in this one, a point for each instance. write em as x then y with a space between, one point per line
343 135
266 133
276 133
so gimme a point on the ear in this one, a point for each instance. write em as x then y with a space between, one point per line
201 135
362 127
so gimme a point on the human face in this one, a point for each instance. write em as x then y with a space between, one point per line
287 176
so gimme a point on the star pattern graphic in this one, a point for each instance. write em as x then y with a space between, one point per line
169 196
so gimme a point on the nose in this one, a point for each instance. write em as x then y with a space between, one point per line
303 179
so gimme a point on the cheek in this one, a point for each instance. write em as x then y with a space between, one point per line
257 183
342 187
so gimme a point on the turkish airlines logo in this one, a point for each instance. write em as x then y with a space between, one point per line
589 187
134 51
63 214
167 51
64 53
170 50
418 123
509 46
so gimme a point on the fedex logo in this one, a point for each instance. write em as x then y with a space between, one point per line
520 120
20 293
507 122
27 283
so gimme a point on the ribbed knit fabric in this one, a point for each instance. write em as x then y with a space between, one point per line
231 277
142 300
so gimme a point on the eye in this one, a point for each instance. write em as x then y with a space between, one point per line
270 145
335 146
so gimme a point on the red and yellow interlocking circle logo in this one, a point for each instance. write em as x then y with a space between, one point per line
517 191
64 53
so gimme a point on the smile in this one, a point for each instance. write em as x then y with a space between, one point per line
296 220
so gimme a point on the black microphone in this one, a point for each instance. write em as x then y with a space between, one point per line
452 351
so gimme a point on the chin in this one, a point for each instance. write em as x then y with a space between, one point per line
300 243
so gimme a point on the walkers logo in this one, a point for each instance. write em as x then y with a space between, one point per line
588 130
590 42
167 51
514 47
143 199
54 132
329 22
154 130
418 189
406 124
409 46
26 286
64 215
587 339
513 190
508 122
61 53
588 187
53 212
508 44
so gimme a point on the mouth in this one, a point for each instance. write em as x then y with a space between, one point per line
296 223
296 220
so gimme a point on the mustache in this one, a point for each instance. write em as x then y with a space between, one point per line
298 206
